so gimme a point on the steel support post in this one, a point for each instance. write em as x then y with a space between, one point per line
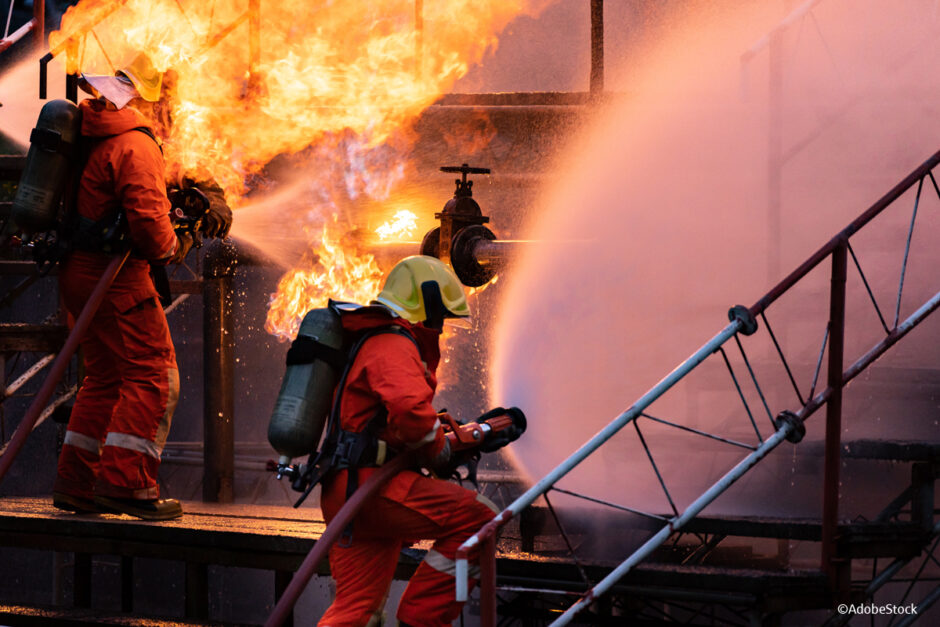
71 71
219 368
488 582
597 47
831 564
922 495
39 23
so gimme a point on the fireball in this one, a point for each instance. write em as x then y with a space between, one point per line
337 80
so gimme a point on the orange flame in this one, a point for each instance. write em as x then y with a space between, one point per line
337 270
402 225
319 67
340 81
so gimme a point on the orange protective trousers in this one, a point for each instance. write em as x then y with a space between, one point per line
429 509
122 413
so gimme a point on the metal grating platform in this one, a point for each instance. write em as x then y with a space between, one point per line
278 538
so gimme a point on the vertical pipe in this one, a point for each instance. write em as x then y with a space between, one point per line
833 458
39 15
254 41
488 582
922 495
597 47
419 40
44 75
774 153
71 87
219 368
71 70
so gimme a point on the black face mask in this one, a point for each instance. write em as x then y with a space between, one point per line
433 305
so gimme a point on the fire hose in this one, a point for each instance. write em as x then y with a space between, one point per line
489 432
61 361
333 532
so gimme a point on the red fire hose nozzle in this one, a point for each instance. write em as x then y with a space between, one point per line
491 431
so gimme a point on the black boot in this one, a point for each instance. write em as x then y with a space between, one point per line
152 509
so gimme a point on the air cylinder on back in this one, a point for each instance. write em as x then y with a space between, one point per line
314 364
53 148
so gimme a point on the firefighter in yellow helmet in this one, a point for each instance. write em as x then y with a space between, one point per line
122 414
387 398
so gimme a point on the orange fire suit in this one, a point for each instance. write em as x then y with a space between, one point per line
122 413
391 372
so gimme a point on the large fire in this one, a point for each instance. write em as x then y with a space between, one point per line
336 269
257 80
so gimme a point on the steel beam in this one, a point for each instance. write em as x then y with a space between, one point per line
219 369
833 447
597 47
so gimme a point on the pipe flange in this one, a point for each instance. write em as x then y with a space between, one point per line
431 244
468 270
742 313
797 428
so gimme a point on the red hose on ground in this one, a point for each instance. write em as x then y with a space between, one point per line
335 529
61 361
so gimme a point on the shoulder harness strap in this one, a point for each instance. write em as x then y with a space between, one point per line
106 234
331 457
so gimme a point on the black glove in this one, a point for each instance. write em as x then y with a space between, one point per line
218 221
496 441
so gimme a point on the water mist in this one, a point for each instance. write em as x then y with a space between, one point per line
669 190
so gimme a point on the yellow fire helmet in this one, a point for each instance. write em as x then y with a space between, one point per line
424 289
145 77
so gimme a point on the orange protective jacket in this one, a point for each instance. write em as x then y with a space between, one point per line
126 170
390 372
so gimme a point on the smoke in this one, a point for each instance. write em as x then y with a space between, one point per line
19 88
669 187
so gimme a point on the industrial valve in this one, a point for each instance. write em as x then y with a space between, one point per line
461 230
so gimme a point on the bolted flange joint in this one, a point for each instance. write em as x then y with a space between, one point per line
742 313
797 428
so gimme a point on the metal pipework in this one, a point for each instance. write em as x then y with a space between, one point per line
219 367
477 255
461 239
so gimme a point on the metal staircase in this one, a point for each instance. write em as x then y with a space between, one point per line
905 527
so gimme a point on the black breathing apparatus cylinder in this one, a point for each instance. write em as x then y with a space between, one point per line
304 402
53 149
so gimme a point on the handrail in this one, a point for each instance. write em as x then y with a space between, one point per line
788 424
589 447
36 24
873 211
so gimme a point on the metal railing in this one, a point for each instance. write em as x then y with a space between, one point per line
35 25
787 424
